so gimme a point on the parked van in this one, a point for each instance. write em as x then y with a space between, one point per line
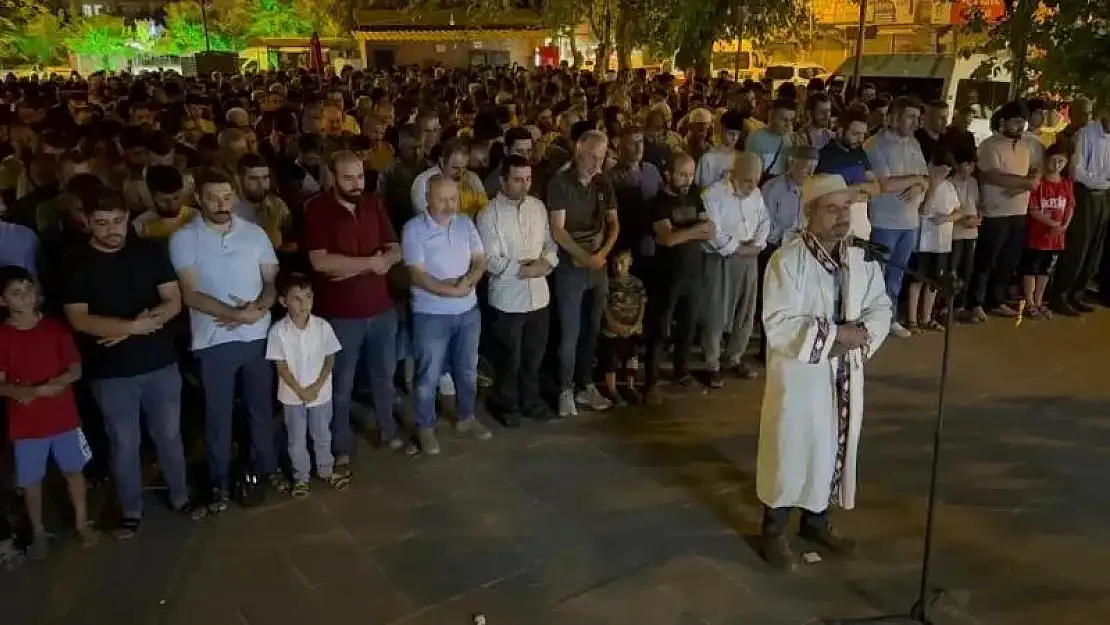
797 73
957 80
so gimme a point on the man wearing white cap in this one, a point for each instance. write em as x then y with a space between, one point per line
825 312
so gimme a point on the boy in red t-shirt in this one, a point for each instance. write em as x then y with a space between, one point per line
1051 206
38 365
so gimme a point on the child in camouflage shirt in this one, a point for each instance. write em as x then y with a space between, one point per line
624 318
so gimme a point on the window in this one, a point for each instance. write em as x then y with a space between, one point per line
810 72
779 72
89 10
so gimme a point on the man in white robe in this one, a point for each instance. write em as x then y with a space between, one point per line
825 313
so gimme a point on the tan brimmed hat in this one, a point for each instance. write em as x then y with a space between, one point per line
820 185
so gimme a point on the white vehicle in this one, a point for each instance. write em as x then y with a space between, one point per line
957 80
797 73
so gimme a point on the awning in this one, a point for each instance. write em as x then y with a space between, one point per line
449 35
901 65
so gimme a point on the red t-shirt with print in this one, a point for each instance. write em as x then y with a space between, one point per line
32 357
1055 200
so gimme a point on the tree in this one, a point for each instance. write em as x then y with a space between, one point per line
103 37
30 34
256 19
184 32
1054 46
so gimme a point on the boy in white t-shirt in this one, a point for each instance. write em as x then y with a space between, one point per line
303 346
965 231
934 244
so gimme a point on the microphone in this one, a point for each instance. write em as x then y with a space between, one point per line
871 250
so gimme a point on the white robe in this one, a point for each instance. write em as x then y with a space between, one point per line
799 430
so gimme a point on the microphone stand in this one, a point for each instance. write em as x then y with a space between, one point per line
919 611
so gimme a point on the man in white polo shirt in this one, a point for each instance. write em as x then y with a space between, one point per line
226 266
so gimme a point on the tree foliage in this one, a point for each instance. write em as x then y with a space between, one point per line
29 33
256 19
1055 46
103 37
184 32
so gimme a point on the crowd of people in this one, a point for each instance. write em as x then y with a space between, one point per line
281 243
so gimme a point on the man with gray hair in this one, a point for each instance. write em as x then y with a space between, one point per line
584 224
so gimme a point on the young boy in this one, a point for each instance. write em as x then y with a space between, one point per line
965 230
38 365
934 245
303 347
1051 206
624 318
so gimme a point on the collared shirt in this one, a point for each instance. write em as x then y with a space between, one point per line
151 225
818 137
513 233
472 193
228 267
1010 156
330 227
444 252
19 245
783 199
892 154
304 351
585 205
1092 156
851 164
738 220
771 149
714 165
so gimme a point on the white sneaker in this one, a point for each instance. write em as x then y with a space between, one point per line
593 398
900 330
566 404
446 384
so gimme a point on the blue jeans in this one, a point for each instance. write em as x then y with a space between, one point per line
375 340
439 342
155 395
220 365
901 244
300 423
580 296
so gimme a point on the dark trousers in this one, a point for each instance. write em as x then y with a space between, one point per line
1084 243
775 520
997 254
674 299
963 264
580 297
516 351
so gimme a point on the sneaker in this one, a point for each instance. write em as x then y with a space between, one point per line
777 552
300 489
446 385
715 379
541 412
278 482
1003 310
216 505
510 419
899 330
593 399
566 404
394 444
977 315
11 558
338 480
473 428
39 547
429 444
827 537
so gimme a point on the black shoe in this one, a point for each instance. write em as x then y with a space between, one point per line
510 419
541 412
715 379
684 380
1081 306
1063 307
826 536
776 550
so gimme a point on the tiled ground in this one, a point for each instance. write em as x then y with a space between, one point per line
645 516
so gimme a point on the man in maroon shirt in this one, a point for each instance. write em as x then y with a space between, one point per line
351 246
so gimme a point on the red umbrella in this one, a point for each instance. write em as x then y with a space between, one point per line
316 55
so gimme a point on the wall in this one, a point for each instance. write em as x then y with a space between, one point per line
454 54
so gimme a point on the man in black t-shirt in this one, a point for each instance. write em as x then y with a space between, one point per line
121 297
680 225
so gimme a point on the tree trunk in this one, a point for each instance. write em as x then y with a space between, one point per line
1021 20
601 60
624 35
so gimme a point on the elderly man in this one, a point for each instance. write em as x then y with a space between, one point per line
742 225
444 254
520 254
817 345
783 198
584 224
351 246
226 268
1086 237
901 170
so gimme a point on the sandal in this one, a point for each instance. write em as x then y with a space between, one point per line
128 528
339 480
300 489
933 326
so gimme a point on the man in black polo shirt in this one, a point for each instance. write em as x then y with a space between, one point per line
584 224
680 225
121 296
844 155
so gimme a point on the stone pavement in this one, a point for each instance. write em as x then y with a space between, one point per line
645 516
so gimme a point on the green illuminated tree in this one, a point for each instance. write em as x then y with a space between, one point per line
184 32
256 19
102 37
30 34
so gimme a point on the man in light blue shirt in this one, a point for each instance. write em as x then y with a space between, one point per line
773 142
19 245
227 267
445 257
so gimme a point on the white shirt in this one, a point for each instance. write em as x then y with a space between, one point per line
304 352
513 233
419 193
1091 161
968 192
937 237
713 166
738 220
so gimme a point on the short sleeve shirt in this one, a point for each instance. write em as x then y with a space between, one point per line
682 261
33 357
851 164
934 237
304 351
585 206
367 230
444 252
1000 153
228 267
627 298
